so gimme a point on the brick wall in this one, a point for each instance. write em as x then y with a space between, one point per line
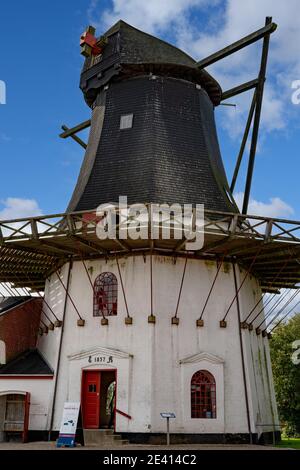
19 327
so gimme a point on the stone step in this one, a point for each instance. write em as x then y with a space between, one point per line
102 437
123 442
105 431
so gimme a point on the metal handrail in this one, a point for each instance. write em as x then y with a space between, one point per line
123 414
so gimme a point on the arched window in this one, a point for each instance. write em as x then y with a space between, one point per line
105 295
203 395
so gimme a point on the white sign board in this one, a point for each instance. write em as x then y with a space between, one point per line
69 418
167 415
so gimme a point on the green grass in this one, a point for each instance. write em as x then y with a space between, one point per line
291 443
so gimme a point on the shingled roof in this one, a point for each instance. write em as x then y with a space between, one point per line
6 303
28 363
130 51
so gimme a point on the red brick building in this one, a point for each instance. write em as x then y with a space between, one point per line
19 323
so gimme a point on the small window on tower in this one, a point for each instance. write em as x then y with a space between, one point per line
126 121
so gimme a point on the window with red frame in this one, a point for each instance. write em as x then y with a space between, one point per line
203 395
105 295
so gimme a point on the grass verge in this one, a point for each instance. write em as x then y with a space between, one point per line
291 443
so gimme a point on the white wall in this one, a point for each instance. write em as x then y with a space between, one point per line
152 362
39 390
259 373
2 352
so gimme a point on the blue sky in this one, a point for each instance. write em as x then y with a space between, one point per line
40 64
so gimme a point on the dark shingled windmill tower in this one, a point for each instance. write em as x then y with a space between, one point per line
153 135
176 328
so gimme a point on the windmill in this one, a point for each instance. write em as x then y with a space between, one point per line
179 329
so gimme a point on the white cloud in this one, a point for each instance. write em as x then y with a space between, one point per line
151 16
232 20
239 19
14 208
274 208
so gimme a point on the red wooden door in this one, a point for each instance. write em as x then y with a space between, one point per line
91 400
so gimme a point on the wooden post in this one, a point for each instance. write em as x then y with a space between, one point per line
259 97
168 431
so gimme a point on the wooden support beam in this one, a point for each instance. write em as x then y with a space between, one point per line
259 267
74 137
256 122
246 252
213 245
24 269
94 246
34 229
233 225
236 46
54 268
243 144
280 285
61 249
122 244
239 89
270 290
26 249
71 224
269 249
268 258
69 132
17 285
283 272
287 277
180 244
23 259
20 277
